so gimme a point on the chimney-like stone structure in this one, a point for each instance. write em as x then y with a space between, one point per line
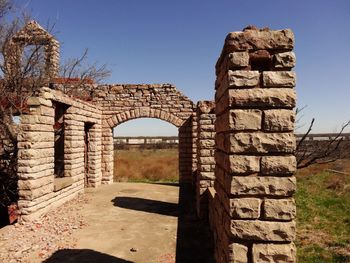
32 34
253 209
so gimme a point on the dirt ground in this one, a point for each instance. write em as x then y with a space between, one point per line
123 222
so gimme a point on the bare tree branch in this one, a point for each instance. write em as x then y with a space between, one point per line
312 151
23 78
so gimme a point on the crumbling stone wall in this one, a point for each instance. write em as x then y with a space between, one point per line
121 103
253 209
205 154
39 190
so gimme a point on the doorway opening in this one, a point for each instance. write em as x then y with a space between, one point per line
87 135
146 150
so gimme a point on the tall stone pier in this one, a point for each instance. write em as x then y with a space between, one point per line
253 210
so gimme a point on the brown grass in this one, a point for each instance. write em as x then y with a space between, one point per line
157 165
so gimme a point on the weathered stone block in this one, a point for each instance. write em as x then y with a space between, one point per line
245 208
267 185
253 39
207 160
238 253
279 209
256 142
35 169
284 60
237 59
278 253
256 98
279 79
279 120
206 143
238 164
278 165
206 152
263 230
35 193
206 135
207 175
33 184
239 120
243 78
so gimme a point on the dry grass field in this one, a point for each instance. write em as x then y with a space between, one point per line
146 165
323 200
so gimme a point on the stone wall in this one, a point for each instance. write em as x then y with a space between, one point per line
123 102
39 190
253 210
205 154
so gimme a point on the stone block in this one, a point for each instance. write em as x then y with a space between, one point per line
239 120
205 106
238 253
278 253
238 164
207 143
278 165
237 79
207 160
206 135
256 98
35 193
279 209
279 79
256 142
30 154
262 186
278 120
256 39
35 169
263 230
243 78
237 59
284 60
245 208
33 184
206 152
207 175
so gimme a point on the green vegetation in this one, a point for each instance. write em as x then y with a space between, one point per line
323 216
323 200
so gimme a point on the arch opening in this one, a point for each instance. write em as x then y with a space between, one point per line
146 150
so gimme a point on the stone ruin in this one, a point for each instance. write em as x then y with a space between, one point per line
238 152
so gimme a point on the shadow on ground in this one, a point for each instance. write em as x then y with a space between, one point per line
194 241
146 205
82 256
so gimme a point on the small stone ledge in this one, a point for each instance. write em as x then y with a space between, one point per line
60 183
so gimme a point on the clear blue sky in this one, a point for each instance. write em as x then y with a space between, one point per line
179 42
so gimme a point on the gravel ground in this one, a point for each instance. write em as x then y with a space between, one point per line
36 241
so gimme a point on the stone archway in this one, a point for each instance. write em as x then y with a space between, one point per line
121 103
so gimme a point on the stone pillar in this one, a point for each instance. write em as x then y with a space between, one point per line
254 209
35 156
74 145
186 152
205 154
94 151
194 137
107 155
